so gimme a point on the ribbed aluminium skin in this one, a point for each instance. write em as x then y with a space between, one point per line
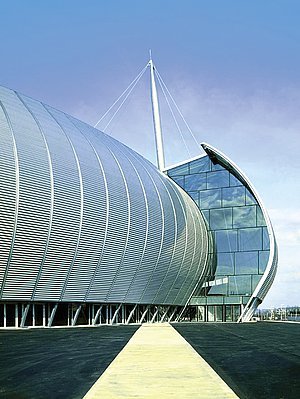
83 218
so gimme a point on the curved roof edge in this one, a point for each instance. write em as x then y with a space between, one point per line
265 282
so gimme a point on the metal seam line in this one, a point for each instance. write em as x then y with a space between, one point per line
17 174
98 265
128 219
147 215
81 202
52 195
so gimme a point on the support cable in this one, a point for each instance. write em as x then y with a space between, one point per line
174 102
172 113
129 88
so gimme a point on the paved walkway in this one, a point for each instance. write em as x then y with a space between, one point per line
157 363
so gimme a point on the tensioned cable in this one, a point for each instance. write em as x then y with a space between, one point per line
172 112
174 102
134 82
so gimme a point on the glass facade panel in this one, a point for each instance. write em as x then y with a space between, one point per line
246 262
195 196
263 260
250 200
250 239
220 218
218 179
179 180
217 166
179 170
219 313
236 312
233 196
206 215
200 165
240 285
260 220
210 199
266 239
225 263
226 240
195 182
244 216
228 313
255 281
233 181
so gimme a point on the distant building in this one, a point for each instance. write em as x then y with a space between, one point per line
91 232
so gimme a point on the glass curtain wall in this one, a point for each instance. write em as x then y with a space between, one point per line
241 240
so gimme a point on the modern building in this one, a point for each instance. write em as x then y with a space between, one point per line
91 232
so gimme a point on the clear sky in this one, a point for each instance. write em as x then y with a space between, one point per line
232 66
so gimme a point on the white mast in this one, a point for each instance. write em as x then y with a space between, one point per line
156 119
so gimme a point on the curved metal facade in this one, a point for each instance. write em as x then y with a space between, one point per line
83 218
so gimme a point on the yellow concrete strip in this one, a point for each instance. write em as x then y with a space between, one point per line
157 363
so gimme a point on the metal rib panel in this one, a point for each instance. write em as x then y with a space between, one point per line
33 214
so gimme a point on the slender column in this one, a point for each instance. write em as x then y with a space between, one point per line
106 320
4 315
156 119
93 314
131 314
44 315
33 315
76 315
123 314
68 314
16 316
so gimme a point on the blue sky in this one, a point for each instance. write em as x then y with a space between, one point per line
232 66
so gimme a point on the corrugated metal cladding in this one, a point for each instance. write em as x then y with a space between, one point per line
85 218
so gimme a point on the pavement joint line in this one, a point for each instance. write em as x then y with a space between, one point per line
158 362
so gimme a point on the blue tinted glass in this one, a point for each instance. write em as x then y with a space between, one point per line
195 196
218 289
255 281
226 240
263 260
260 220
220 218
195 182
246 262
225 263
179 180
210 199
266 239
250 239
206 216
244 216
200 165
179 170
217 166
218 179
240 285
250 200
233 196
233 181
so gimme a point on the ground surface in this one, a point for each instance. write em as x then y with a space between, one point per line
57 363
257 360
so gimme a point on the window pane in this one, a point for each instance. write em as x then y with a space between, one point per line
218 179
220 218
210 199
225 263
263 260
226 240
179 180
244 216
195 196
250 239
195 182
200 165
217 166
250 200
239 285
255 281
266 239
246 262
260 220
206 215
179 170
233 181
233 196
